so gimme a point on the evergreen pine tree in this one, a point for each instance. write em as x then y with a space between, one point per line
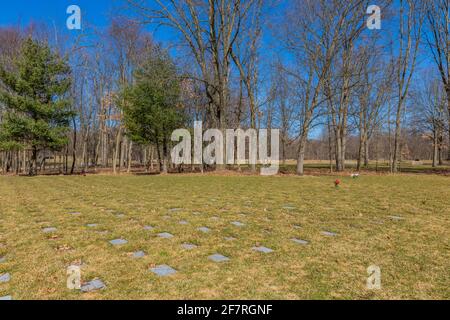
151 106
34 94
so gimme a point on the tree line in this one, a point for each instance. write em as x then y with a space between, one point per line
109 98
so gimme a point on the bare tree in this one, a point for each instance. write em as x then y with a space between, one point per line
373 92
245 55
209 28
410 28
438 23
283 104
315 33
430 114
124 35
343 78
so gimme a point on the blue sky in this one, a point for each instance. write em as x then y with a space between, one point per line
95 13
54 11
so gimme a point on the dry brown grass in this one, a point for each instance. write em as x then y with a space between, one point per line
413 253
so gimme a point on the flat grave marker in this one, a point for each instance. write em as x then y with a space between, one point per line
6 277
300 241
163 270
329 234
138 254
262 249
93 285
188 246
218 258
118 242
165 235
204 229
396 218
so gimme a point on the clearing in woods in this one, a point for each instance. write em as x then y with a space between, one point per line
232 237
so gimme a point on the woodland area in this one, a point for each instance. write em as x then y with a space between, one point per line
108 99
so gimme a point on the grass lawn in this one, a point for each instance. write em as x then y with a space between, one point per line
413 253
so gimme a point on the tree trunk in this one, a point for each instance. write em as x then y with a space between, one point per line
448 107
105 155
33 163
97 152
82 163
389 136
398 130
129 156
366 152
123 151
152 155
435 149
165 163
66 159
117 149
330 147
339 159
16 162
160 157
361 142
74 146
146 159
24 162
301 154
343 145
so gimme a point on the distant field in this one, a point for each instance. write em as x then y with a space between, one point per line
323 166
312 167
399 223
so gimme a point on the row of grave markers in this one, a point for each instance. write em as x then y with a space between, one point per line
165 270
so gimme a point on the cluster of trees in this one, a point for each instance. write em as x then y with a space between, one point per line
336 89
